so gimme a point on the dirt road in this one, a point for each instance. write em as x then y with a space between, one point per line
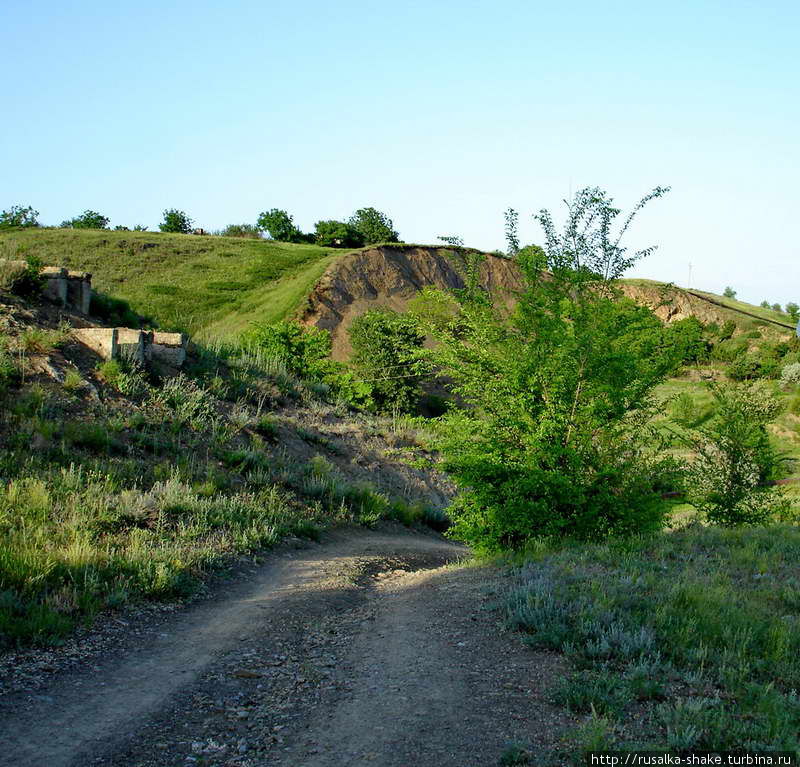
372 648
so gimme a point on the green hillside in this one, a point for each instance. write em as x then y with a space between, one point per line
205 285
215 287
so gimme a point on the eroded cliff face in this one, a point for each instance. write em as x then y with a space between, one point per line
390 277
672 304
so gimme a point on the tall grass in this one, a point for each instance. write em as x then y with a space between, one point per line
75 541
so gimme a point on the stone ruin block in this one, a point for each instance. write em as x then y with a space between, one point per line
131 345
79 291
55 284
72 290
164 351
167 348
102 341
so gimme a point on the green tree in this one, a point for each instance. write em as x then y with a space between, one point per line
735 460
554 439
18 216
385 353
337 234
776 307
176 221
793 310
89 219
512 235
453 240
374 226
534 256
280 226
765 305
729 292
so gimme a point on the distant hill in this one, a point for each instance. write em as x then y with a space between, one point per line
215 287
208 286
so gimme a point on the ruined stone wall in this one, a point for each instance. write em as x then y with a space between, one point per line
165 352
72 290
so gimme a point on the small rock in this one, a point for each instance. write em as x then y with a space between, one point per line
244 673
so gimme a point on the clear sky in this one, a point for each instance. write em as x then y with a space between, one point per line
442 114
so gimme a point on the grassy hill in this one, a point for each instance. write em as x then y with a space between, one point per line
207 286
215 287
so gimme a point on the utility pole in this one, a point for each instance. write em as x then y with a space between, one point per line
689 285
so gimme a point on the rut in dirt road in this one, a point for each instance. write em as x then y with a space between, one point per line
364 650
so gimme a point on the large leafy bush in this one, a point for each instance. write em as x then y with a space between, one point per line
337 234
280 226
18 216
385 346
734 459
554 439
89 219
373 226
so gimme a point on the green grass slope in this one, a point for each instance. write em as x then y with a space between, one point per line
207 286
770 315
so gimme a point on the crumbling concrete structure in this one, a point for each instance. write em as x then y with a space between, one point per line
72 290
163 351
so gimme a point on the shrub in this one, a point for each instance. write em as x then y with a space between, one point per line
280 226
729 293
24 281
727 330
790 374
242 230
735 460
18 216
686 338
303 351
8 369
176 221
337 234
745 367
373 226
385 353
730 348
185 401
89 219
554 440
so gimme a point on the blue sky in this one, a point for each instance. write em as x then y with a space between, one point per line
442 114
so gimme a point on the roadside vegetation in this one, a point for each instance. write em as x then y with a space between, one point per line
683 641
635 473
119 486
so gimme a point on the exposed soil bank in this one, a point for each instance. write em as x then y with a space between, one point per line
391 276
